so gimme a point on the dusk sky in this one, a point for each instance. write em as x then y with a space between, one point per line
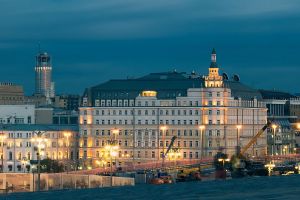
94 41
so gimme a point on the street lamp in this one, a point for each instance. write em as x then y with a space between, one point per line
238 128
298 125
270 167
67 135
115 132
40 146
163 130
101 163
274 126
2 138
24 161
223 160
285 149
202 127
174 154
112 152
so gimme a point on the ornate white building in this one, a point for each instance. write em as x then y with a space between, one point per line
149 111
18 145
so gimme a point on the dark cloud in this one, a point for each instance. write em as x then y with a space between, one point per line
93 41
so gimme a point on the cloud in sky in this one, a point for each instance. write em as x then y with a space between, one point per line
92 41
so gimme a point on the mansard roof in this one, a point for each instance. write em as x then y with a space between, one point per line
168 85
275 94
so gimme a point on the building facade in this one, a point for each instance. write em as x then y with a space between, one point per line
207 114
19 148
282 112
17 114
11 94
43 76
66 102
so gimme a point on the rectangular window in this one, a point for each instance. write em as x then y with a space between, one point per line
153 154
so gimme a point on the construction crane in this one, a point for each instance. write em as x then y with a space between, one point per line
170 146
239 161
254 139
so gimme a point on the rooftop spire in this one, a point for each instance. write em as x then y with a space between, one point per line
213 63
214 51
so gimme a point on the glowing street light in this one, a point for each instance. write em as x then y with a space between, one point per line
112 152
270 167
274 126
67 135
40 146
115 132
238 128
24 161
223 160
285 149
202 128
101 163
163 129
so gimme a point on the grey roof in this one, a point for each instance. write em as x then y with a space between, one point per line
168 85
273 94
240 90
38 127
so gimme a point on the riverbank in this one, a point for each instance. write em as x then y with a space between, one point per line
277 187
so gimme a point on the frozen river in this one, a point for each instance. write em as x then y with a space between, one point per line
280 187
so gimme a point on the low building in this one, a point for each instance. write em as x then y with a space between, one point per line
64 117
37 99
282 108
19 147
206 114
66 102
17 114
11 94
44 115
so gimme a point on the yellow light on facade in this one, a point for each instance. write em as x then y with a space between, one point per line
67 134
202 127
114 153
274 126
3 137
115 147
149 93
238 126
163 128
222 159
107 147
298 125
115 131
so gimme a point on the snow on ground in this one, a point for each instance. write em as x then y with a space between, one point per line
280 187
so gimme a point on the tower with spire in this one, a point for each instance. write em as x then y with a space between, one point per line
213 79
43 76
